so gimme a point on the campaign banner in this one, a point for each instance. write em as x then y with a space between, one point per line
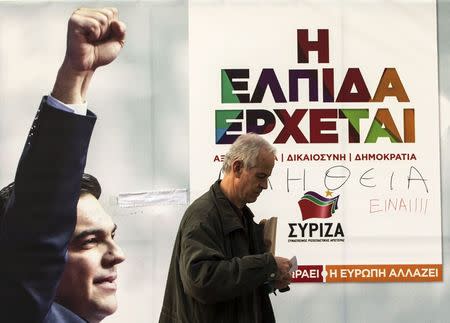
347 92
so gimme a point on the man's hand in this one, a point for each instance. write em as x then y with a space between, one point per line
283 278
94 38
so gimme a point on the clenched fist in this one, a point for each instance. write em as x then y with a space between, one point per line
94 38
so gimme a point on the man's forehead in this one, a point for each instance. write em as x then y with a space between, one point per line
91 214
265 160
258 171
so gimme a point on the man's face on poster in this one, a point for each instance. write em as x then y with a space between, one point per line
88 285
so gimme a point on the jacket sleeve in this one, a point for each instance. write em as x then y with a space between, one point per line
209 276
40 215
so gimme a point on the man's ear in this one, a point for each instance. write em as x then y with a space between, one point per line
237 167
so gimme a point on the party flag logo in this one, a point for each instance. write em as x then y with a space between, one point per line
313 205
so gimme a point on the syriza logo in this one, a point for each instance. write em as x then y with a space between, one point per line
314 208
314 205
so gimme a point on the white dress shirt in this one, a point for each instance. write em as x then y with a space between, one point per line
80 109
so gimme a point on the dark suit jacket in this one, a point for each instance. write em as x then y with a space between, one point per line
40 217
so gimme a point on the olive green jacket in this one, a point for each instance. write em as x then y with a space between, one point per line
218 273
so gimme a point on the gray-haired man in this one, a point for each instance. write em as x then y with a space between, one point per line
219 270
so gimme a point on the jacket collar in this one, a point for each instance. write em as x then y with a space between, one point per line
230 218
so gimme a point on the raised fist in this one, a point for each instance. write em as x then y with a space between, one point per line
94 38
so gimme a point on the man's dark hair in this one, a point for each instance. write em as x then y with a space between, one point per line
89 185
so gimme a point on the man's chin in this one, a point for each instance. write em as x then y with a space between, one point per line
252 199
106 306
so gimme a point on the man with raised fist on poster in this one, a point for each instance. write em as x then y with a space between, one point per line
57 245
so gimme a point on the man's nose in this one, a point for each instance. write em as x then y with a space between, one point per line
264 184
114 254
